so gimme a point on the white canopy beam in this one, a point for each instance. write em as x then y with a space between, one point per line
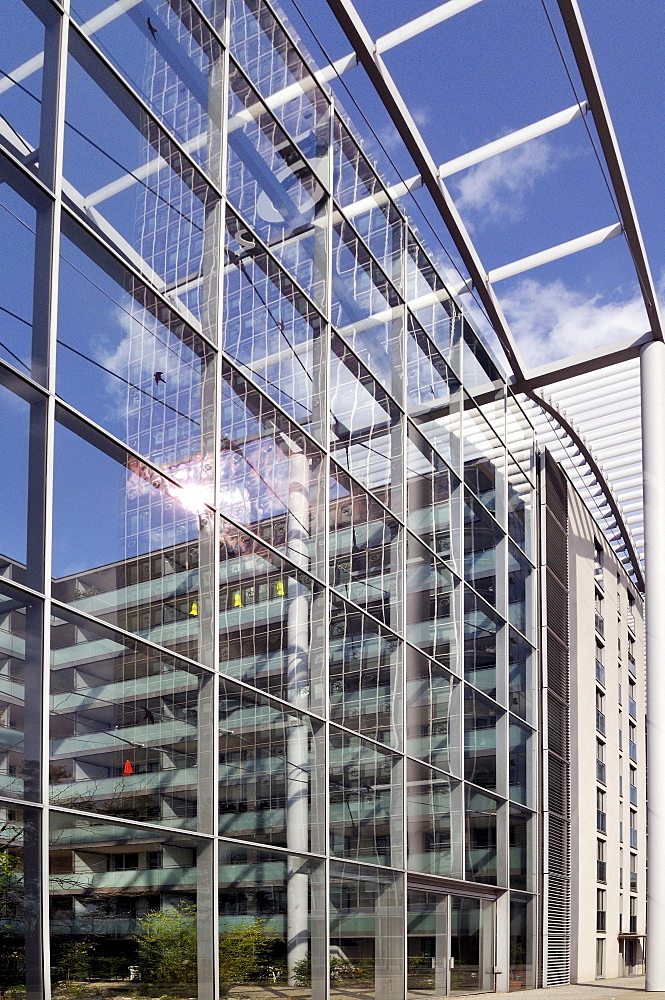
422 23
513 139
555 253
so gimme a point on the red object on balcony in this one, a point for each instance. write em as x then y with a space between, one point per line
127 769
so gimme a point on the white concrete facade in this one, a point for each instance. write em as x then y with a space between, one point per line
607 679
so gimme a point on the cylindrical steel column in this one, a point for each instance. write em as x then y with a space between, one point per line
652 370
297 771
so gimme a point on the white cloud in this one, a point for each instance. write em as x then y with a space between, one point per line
551 321
497 187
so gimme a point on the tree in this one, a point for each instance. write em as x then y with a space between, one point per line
245 951
167 945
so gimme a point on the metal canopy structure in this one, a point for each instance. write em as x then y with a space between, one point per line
618 461
610 494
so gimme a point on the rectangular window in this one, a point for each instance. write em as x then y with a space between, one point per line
601 863
600 958
600 909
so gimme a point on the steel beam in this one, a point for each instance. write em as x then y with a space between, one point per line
580 364
513 139
382 81
586 65
422 23
555 253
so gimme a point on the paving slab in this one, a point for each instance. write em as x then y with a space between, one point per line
601 989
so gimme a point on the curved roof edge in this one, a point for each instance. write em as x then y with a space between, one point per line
622 543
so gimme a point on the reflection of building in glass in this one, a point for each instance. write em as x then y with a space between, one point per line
303 580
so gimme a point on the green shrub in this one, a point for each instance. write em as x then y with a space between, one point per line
167 945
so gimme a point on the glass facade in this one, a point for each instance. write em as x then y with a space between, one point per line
267 534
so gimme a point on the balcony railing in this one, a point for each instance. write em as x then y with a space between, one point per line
601 772
633 838
600 624
601 871
632 708
600 721
633 795
600 672
632 750
601 821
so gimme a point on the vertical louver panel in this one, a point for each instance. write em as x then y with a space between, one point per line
555 966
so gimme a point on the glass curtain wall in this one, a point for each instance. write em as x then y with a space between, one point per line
266 536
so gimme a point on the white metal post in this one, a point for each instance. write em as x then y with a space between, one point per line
652 372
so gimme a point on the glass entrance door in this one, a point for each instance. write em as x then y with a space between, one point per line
450 944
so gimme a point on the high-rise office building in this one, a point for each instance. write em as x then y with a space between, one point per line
290 696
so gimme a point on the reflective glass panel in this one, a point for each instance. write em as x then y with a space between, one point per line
520 436
354 178
132 895
20 924
269 620
133 366
126 545
270 474
269 771
521 827
481 836
21 75
522 969
429 603
18 224
131 182
382 231
273 187
482 537
171 59
271 920
271 330
366 931
365 424
364 553
125 728
519 590
520 507
521 658
430 382
433 727
365 675
430 302
484 459
480 739
482 644
365 797
432 500
362 299
21 688
479 368
14 460
520 762
271 60
433 821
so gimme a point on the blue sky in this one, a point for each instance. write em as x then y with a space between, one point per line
495 68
